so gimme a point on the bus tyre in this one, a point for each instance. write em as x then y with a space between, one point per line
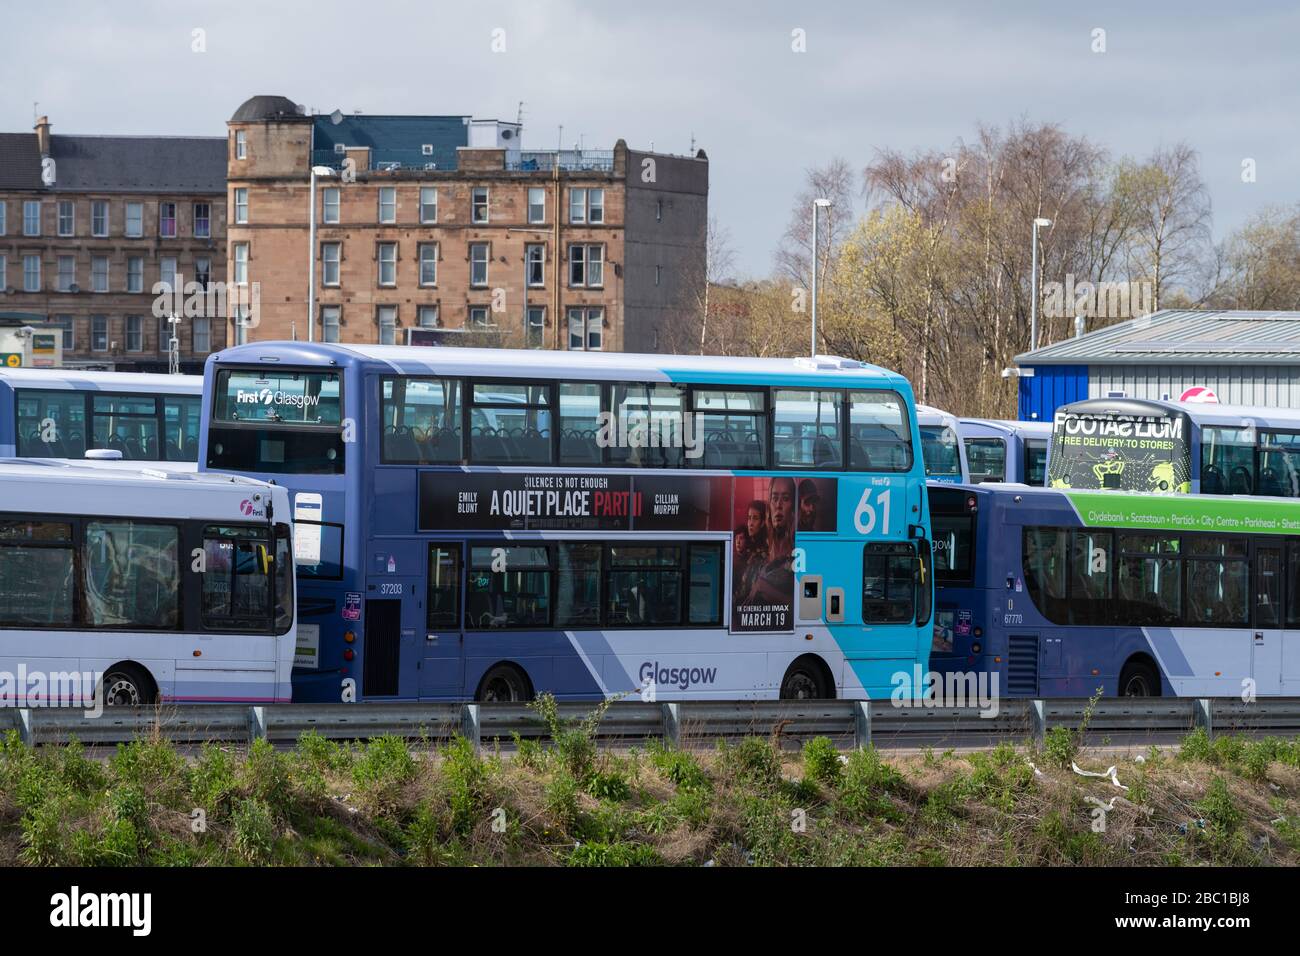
126 685
806 679
1138 679
504 682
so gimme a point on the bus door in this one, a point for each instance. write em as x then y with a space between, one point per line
1268 617
441 638
1291 621
394 622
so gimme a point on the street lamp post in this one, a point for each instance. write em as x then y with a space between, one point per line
817 204
323 171
1033 287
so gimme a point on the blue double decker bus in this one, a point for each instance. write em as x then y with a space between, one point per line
491 524
1059 593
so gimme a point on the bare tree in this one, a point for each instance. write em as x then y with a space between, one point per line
833 181
1173 217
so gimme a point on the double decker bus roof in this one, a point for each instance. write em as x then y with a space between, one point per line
831 371
133 489
77 380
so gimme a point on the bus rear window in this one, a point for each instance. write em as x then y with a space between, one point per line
1036 463
276 396
987 458
939 448
954 548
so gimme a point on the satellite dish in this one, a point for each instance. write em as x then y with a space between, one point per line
336 117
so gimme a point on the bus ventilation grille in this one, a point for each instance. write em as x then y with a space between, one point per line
1022 665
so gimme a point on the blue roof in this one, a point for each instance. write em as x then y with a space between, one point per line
394 139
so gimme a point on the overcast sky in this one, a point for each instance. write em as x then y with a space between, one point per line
1225 78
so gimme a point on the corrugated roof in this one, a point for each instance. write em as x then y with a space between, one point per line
141 164
1184 337
20 161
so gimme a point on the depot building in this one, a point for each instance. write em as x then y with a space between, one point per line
1234 357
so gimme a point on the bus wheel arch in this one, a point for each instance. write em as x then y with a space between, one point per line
1139 677
808 678
505 681
128 684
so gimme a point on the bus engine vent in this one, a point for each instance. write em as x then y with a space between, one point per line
1022 665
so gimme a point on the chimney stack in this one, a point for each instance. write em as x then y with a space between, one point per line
43 135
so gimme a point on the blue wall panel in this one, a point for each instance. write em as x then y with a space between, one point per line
1050 387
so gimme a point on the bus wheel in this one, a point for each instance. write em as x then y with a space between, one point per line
504 682
1138 680
125 685
807 679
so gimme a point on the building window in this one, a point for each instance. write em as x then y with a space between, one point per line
330 206
427 316
241 263
659 210
329 320
388 263
331 254
586 329
135 274
134 220
202 220
479 204
31 273
478 263
65 323
66 217
167 220
428 204
32 217
67 273
535 334
659 271
586 206
4 224
165 334
241 144
99 273
4 273
203 272
241 205
479 318
99 218
167 272
202 335
587 266
428 263
134 333
536 204
99 333
536 255
388 204
388 325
